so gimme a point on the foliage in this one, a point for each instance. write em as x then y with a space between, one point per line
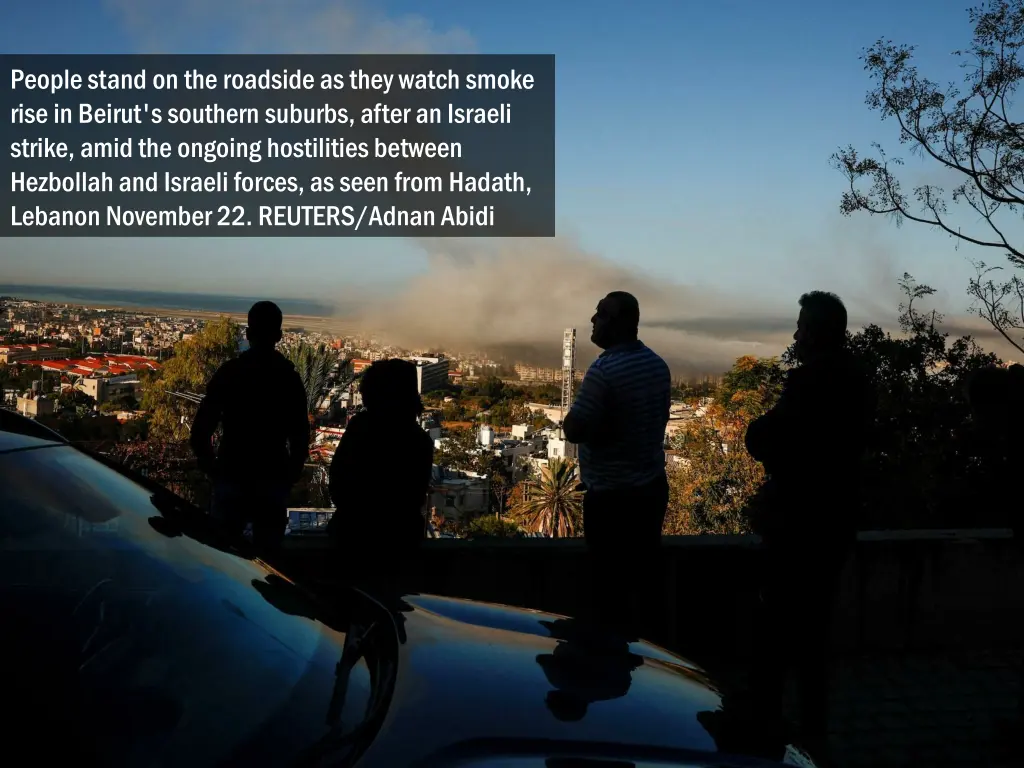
918 469
551 504
171 464
489 526
75 399
195 361
970 134
458 450
314 364
709 488
507 413
751 387
491 388
455 411
500 480
545 394
19 377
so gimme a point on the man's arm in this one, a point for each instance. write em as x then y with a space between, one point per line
420 473
589 412
769 436
298 428
205 424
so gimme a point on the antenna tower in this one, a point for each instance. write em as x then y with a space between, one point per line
568 368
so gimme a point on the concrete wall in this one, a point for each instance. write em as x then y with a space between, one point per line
901 590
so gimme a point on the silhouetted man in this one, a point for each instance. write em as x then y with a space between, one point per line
618 420
812 445
380 476
259 400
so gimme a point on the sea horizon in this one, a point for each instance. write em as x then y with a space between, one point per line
127 297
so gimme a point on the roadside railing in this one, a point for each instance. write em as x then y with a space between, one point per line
308 521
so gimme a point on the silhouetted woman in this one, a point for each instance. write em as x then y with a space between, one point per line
380 476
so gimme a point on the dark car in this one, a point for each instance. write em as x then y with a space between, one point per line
136 636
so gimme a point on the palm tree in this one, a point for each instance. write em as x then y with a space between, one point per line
551 504
314 364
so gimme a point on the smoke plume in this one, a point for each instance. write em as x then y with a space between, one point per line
512 298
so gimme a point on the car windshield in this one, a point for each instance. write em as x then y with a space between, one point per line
136 644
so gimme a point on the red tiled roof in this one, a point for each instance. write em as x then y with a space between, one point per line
115 365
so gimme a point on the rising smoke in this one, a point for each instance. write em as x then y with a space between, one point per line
512 299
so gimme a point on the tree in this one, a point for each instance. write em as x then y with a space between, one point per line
18 376
171 464
492 389
551 504
459 449
546 394
971 134
918 471
751 386
710 487
314 364
454 411
195 361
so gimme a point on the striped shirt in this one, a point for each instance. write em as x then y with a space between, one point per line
626 395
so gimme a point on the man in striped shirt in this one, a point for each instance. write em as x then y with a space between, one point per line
618 420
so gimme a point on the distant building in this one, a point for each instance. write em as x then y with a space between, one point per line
458 496
522 431
561 449
13 353
104 388
535 375
512 451
550 412
431 373
359 365
35 405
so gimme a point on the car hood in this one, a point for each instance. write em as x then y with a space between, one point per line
505 672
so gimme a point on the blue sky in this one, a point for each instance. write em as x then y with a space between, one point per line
693 138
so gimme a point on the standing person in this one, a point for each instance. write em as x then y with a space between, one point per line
259 400
379 479
812 445
618 420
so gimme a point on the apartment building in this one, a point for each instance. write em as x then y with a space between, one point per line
104 388
457 495
13 353
431 373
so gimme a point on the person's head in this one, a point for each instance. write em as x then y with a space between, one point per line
988 395
1016 372
389 388
265 321
566 707
821 326
616 321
